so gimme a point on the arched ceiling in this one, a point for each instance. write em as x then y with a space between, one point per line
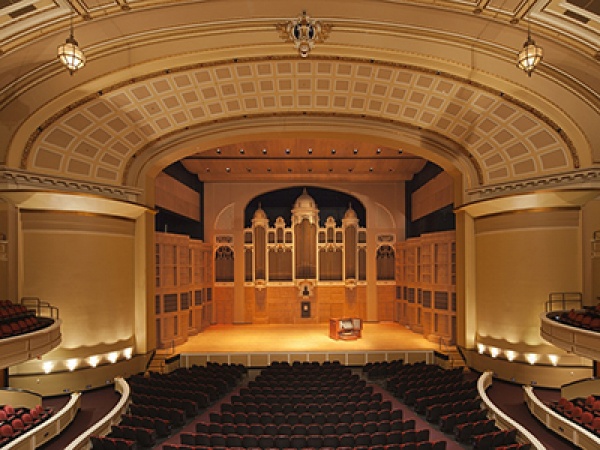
169 80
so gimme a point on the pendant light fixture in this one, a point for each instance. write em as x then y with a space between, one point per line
70 54
530 56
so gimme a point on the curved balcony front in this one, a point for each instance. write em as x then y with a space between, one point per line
24 347
570 338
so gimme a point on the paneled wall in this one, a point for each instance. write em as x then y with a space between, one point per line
426 278
184 283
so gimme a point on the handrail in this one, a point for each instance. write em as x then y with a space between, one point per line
39 305
503 421
563 298
102 427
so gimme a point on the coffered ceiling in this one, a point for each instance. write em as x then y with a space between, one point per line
213 84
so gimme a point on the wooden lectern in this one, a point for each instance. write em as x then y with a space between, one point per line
346 329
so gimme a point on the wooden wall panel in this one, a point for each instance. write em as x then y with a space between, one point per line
223 300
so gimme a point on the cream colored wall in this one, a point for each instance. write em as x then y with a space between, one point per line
83 265
521 258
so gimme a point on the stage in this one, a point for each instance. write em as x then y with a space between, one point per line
259 345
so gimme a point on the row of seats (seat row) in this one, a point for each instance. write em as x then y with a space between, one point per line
310 429
588 318
400 388
359 414
466 432
384 412
162 427
108 443
586 416
424 445
498 439
200 398
382 369
449 421
145 437
190 407
349 387
354 393
375 403
422 402
305 441
175 417
17 327
16 421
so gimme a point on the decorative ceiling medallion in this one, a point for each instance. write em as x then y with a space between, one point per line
304 32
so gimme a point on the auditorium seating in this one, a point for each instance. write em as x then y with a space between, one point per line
16 319
584 411
308 405
587 318
163 403
15 421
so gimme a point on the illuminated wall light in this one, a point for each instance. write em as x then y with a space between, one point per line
480 348
553 359
494 351
511 355
531 358
93 360
113 356
72 364
128 352
48 366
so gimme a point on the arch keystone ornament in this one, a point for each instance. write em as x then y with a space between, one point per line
304 32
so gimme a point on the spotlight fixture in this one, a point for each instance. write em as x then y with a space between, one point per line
530 56
70 54
304 32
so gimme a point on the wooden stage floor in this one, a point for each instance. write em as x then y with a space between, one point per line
302 338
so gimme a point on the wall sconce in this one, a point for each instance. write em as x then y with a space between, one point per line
304 32
128 352
553 359
511 355
480 348
494 351
530 56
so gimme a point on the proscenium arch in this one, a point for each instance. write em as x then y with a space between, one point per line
145 168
